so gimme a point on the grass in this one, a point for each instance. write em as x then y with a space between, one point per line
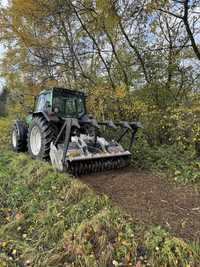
51 219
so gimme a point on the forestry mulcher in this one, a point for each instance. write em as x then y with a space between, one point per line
59 128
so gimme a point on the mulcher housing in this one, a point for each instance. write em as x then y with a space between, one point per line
59 128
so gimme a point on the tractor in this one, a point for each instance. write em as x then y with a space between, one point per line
60 130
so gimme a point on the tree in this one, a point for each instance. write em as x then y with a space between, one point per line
84 44
185 11
3 102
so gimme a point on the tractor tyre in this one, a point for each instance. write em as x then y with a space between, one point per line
40 135
19 137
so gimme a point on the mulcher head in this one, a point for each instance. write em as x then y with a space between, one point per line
85 151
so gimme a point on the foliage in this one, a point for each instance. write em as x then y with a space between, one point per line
118 104
5 125
178 123
163 247
169 160
78 44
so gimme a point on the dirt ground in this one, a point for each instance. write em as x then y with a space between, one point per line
152 199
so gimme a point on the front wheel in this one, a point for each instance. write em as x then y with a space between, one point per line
40 135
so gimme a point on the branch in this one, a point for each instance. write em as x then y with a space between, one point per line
189 32
184 18
117 57
97 47
170 13
140 58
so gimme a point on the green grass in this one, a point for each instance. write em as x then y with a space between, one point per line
51 219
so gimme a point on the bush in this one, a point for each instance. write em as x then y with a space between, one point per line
5 125
173 160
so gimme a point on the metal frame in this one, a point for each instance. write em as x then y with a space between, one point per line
67 127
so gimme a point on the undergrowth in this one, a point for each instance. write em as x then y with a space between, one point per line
50 219
5 129
176 161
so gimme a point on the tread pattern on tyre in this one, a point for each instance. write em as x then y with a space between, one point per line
49 134
21 137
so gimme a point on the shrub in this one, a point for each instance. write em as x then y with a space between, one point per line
5 125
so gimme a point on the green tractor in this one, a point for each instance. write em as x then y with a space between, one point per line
60 129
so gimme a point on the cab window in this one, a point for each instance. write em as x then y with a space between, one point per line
69 106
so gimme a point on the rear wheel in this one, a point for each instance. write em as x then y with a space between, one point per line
40 135
19 137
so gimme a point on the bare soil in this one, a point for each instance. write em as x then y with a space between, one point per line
151 199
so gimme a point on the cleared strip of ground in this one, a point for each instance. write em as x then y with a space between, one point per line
152 199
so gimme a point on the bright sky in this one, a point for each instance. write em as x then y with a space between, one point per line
1 49
3 2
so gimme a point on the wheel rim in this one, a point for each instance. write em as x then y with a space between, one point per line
35 140
14 138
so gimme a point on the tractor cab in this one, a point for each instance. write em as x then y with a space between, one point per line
65 103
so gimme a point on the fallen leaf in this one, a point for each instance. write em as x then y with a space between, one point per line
19 216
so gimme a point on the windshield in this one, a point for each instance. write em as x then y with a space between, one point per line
69 105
